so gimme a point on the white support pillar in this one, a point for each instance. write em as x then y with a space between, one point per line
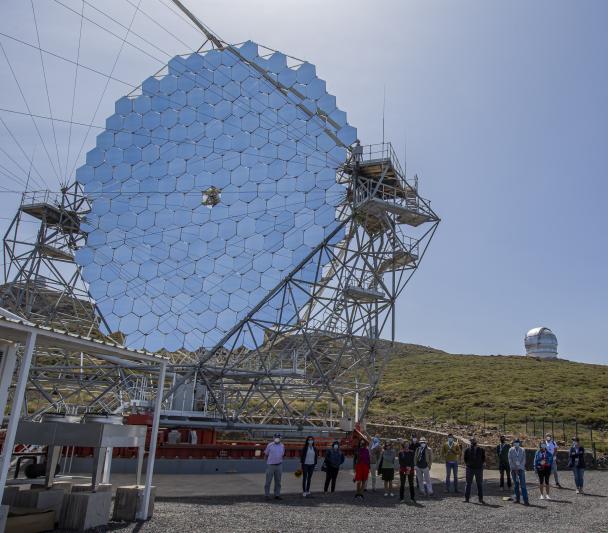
13 422
153 439
9 357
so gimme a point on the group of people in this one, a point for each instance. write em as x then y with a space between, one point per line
413 460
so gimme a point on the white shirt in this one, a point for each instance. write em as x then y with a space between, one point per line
310 456
551 446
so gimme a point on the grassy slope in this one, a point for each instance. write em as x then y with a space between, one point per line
420 381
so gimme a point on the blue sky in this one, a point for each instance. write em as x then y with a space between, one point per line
503 106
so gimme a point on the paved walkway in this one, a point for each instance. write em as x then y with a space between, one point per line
175 486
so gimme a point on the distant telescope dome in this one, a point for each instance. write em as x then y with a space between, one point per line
541 342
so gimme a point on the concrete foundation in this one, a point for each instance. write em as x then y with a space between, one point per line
86 510
10 491
129 501
40 499
87 487
3 516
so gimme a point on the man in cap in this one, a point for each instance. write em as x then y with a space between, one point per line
423 459
274 452
517 463
474 459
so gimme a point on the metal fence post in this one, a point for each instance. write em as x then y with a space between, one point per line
576 427
526 425
543 426
564 430
504 423
534 427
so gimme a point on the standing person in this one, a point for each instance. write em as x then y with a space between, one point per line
552 449
414 445
274 452
542 465
361 463
517 464
423 459
451 451
406 470
333 461
502 453
375 452
308 460
576 461
474 459
386 467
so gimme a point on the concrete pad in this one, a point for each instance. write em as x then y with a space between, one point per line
3 516
87 487
129 502
40 499
86 510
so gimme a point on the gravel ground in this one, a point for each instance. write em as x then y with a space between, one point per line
340 512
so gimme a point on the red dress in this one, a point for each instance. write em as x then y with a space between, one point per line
362 465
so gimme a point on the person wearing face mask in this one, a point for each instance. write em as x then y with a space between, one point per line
406 470
375 453
502 453
308 460
517 464
451 452
333 460
423 459
542 466
386 467
552 449
361 464
576 461
414 445
274 452
474 459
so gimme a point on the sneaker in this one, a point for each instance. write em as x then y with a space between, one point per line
278 498
304 494
578 491
515 501
482 502
385 494
527 504
401 500
542 497
466 501
392 495
268 497
558 485
547 497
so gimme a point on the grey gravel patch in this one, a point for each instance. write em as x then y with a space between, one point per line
567 512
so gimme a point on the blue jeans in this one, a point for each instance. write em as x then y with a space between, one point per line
519 479
451 466
579 475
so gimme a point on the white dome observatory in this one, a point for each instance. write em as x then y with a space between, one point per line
542 343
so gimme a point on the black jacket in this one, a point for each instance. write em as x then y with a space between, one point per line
574 455
406 458
303 454
474 457
503 456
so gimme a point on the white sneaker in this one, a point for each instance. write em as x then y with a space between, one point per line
542 497
304 494
392 494
578 491
385 494
547 497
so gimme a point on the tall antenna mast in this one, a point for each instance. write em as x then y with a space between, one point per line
383 110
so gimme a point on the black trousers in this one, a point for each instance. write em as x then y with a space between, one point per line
410 480
476 473
505 469
330 476
307 471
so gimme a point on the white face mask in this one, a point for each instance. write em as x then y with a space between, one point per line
516 444
414 440
277 440
335 446
450 440
309 443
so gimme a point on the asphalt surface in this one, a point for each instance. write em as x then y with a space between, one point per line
566 512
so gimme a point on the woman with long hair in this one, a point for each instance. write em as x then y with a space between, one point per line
308 460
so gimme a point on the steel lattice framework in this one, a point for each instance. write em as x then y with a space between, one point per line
299 344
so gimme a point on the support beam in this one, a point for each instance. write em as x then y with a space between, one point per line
153 438
7 368
11 431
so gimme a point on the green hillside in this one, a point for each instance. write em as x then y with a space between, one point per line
421 383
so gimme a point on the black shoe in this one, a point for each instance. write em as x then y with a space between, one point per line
267 497
558 486
466 500
527 504
482 502
278 498
515 501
